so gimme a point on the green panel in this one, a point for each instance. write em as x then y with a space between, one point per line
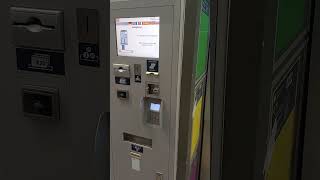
291 21
199 88
203 41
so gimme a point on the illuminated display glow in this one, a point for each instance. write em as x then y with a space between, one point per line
155 107
138 37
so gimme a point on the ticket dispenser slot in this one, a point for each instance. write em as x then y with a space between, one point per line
153 108
37 28
133 139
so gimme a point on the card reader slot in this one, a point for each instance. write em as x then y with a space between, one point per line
34 25
137 140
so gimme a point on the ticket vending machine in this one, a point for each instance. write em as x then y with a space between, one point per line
54 104
158 67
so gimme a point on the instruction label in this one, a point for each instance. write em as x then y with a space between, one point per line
136 148
40 61
89 54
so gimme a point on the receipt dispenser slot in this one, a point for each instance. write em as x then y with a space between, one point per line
37 28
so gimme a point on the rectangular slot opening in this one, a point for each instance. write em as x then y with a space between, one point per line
137 140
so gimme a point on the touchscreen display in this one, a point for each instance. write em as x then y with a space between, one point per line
138 37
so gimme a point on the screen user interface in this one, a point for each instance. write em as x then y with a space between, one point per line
138 37
155 107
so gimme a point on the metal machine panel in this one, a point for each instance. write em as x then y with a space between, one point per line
158 77
54 120
128 114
